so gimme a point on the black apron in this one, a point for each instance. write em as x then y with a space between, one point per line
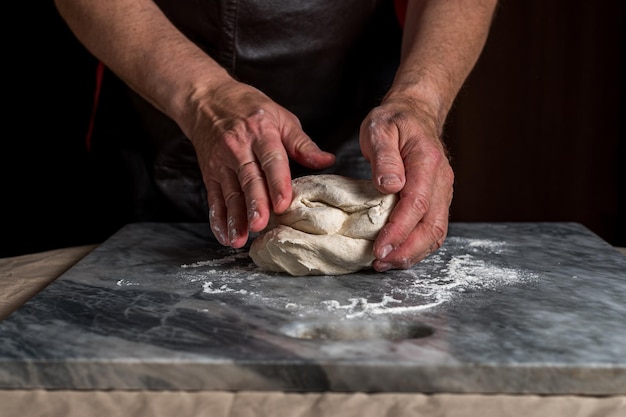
329 62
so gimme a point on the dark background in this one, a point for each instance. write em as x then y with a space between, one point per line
536 134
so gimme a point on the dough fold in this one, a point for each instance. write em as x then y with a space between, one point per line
329 228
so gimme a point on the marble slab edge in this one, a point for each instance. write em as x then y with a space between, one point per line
303 377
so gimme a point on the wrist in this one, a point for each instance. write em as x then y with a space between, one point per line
425 97
191 93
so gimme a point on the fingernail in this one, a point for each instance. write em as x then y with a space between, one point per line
382 267
217 230
389 180
232 231
219 234
385 250
252 212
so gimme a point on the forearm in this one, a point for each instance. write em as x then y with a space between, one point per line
441 44
138 43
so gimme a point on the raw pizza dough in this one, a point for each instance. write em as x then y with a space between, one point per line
329 229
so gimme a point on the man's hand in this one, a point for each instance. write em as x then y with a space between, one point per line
401 138
242 138
243 142
402 144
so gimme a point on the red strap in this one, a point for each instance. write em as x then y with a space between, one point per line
96 98
400 6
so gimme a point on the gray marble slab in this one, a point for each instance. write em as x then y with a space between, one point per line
500 308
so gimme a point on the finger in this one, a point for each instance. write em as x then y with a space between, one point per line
425 239
428 234
414 202
258 141
380 144
235 202
264 145
217 212
303 150
252 182
274 162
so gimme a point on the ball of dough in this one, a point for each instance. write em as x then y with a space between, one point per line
329 228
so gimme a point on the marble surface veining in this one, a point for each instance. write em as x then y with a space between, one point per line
500 308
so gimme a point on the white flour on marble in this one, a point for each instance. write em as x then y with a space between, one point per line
436 280
235 266
125 283
207 287
361 307
230 259
459 275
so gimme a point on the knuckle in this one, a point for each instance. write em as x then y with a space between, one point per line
387 159
246 178
273 159
250 181
383 119
302 144
448 175
257 114
257 120
431 152
397 118
419 205
211 166
218 170
215 200
232 197
438 233
387 116
233 141
278 183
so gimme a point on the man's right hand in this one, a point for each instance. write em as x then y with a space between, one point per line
242 138
243 142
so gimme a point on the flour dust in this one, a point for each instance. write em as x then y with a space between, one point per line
461 266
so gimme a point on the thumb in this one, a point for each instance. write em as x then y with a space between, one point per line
301 148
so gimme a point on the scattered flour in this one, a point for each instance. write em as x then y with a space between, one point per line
462 265
459 275
494 246
207 287
230 259
360 307
125 283
236 265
